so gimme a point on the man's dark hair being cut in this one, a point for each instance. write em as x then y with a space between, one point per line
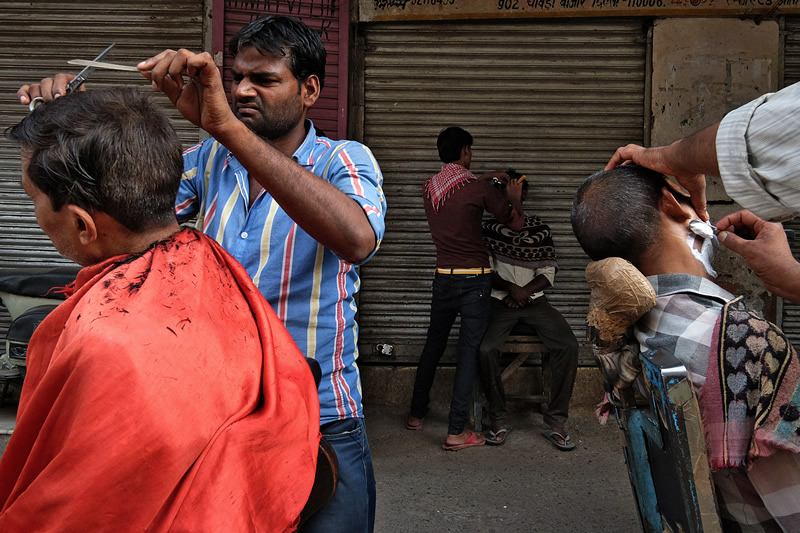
106 150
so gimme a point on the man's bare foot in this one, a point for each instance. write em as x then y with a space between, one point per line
465 439
413 423
560 434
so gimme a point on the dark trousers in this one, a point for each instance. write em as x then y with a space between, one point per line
453 295
555 334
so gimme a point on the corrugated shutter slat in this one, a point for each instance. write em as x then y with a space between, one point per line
790 319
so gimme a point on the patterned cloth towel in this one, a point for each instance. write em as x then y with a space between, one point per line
531 247
751 398
441 186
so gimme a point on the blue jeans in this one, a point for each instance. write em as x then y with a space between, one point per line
453 294
352 508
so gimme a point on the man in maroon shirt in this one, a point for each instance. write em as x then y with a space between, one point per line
455 200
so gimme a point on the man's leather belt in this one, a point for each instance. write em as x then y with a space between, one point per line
479 270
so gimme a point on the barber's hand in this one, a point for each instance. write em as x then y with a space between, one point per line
48 89
764 248
632 153
193 84
659 159
514 190
695 185
498 174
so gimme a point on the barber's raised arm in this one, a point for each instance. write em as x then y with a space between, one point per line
327 214
193 84
688 160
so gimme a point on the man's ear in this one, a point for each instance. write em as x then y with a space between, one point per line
670 206
83 225
310 90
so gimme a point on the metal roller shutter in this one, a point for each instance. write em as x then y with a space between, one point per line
551 98
791 50
790 315
37 40
330 20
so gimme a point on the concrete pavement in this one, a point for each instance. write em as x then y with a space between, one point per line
525 485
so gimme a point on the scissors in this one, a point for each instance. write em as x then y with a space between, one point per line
79 80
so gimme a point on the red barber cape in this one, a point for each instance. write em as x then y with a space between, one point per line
163 395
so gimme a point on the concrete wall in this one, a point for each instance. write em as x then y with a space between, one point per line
703 68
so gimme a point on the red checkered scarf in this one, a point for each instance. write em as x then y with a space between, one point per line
441 186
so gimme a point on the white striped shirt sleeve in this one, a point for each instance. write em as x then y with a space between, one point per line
758 155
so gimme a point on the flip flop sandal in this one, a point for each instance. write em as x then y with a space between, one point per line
473 440
567 444
496 438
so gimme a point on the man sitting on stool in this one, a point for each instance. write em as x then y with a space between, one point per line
523 265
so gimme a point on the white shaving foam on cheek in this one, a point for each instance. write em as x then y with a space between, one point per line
703 231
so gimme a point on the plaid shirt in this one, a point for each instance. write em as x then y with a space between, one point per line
766 497
682 321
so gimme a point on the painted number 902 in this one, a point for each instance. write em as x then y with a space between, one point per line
507 4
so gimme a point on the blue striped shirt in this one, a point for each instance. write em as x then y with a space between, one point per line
310 288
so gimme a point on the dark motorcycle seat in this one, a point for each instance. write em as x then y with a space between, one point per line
37 282
24 325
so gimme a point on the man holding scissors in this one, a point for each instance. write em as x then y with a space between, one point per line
298 210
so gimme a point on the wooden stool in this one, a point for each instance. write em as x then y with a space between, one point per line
524 345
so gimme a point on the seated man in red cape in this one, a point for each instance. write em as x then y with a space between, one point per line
163 394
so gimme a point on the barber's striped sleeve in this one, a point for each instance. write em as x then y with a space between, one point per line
187 203
757 153
355 172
